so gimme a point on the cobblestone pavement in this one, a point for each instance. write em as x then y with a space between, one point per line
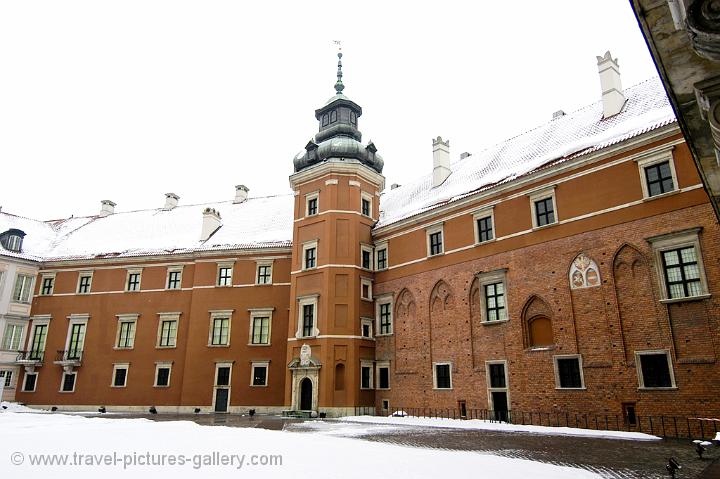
610 458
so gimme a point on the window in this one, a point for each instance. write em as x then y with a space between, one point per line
435 240
12 337
540 334
259 374
311 203
307 317
333 116
30 382
366 204
222 375
120 375
23 288
442 375
174 278
264 273
385 404
162 375
84 283
6 377
366 375
568 372
37 345
654 369
68 382
126 331
366 328
167 330
325 119
133 280
484 222
224 275
384 314
657 173
496 374
679 259
76 341
12 239
260 326
309 256
544 210
366 289
365 207
48 283
220 332
493 291
383 375
381 257
366 254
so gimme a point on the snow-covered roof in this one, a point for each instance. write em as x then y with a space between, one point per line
569 136
256 223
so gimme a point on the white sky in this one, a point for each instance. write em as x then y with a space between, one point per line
129 100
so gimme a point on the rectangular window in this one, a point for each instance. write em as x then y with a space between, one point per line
37 346
68 382
659 178
365 207
48 283
496 371
120 376
381 254
655 370
366 289
436 243
224 276
220 332
312 206
84 283
223 376
77 339
133 281
682 273
383 377
30 382
365 377
385 318
6 377
310 258
12 337
162 376
259 374
366 328
308 319
168 333
264 274
260 330
174 279
544 212
485 229
23 288
366 257
442 376
569 373
126 335
495 302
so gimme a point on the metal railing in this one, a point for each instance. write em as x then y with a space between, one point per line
70 355
680 427
33 355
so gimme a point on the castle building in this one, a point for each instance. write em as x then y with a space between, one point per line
571 268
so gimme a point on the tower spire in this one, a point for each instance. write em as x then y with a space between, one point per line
339 87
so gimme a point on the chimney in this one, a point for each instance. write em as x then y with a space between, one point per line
465 154
107 208
211 223
612 95
441 161
558 114
394 185
241 193
171 201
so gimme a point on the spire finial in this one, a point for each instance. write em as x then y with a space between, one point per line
339 87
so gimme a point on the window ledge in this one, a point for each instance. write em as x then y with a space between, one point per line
662 195
671 388
258 385
539 349
571 389
121 348
369 300
258 344
382 335
161 387
263 284
686 299
549 225
497 321
218 345
309 269
165 347
117 387
132 291
435 255
478 243
442 389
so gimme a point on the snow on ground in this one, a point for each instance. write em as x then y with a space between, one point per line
15 407
497 426
124 446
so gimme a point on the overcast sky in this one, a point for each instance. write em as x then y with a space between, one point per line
129 100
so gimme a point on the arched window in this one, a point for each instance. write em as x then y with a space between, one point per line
12 239
325 120
540 332
584 273
339 377
333 116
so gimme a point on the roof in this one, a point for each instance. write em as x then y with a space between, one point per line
257 223
575 134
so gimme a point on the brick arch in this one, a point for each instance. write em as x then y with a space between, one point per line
409 330
441 296
444 337
630 257
537 320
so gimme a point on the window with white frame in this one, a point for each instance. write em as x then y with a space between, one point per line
37 342
312 203
568 371
679 260
47 285
12 337
23 288
442 375
167 330
366 327
76 337
127 324
309 254
162 374
30 382
383 311
6 377
174 277
383 375
120 373
260 326
366 289
224 274
366 204
381 256
67 384
493 296
307 317
259 373
366 374
654 369
544 208
132 283
84 282
657 173
366 257
219 328
484 222
435 241
264 272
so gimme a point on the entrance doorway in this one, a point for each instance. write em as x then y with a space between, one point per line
222 388
306 394
498 390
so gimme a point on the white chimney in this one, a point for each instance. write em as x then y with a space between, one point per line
441 161
612 92
241 193
211 223
171 201
107 207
